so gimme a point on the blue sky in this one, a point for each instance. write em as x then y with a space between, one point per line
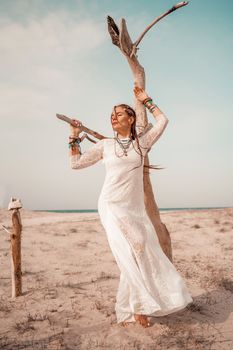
57 57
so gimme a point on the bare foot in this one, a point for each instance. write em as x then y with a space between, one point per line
143 320
125 324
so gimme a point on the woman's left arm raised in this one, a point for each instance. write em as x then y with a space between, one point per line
151 136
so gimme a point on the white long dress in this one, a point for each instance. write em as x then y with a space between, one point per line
149 283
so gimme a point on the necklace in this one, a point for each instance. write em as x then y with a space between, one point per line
124 144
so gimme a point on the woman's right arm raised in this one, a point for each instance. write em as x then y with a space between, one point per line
80 160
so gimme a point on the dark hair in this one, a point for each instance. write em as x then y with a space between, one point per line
131 112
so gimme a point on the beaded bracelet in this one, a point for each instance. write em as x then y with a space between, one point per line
149 104
151 107
75 142
148 99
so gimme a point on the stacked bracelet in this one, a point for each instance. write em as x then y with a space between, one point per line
148 99
152 108
148 103
75 142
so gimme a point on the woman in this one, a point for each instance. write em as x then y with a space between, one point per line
149 283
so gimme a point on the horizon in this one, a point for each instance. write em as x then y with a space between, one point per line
96 210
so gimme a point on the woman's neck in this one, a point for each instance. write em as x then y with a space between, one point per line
123 135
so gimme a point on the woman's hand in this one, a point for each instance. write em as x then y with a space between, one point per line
76 127
140 93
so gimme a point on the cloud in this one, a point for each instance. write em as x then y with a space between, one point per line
47 67
56 36
56 39
42 55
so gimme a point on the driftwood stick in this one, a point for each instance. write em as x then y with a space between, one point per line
175 7
84 128
94 133
4 228
89 138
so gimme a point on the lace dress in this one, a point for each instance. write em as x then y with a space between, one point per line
149 283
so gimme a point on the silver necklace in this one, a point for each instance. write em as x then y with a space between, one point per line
124 144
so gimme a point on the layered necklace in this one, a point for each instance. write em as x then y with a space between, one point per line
124 144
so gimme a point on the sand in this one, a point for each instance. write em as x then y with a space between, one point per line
70 281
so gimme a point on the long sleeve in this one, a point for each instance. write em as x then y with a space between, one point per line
151 136
88 158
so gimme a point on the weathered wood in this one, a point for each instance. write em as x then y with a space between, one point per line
120 37
84 128
156 20
113 31
14 204
15 237
94 133
149 199
126 44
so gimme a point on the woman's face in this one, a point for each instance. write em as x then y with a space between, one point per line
120 120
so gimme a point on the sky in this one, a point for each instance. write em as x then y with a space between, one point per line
57 57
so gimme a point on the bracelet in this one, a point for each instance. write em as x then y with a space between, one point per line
73 148
151 106
147 100
73 140
74 143
148 103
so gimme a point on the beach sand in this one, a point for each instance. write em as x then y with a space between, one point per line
70 280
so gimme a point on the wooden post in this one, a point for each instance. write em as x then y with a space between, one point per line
16 274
